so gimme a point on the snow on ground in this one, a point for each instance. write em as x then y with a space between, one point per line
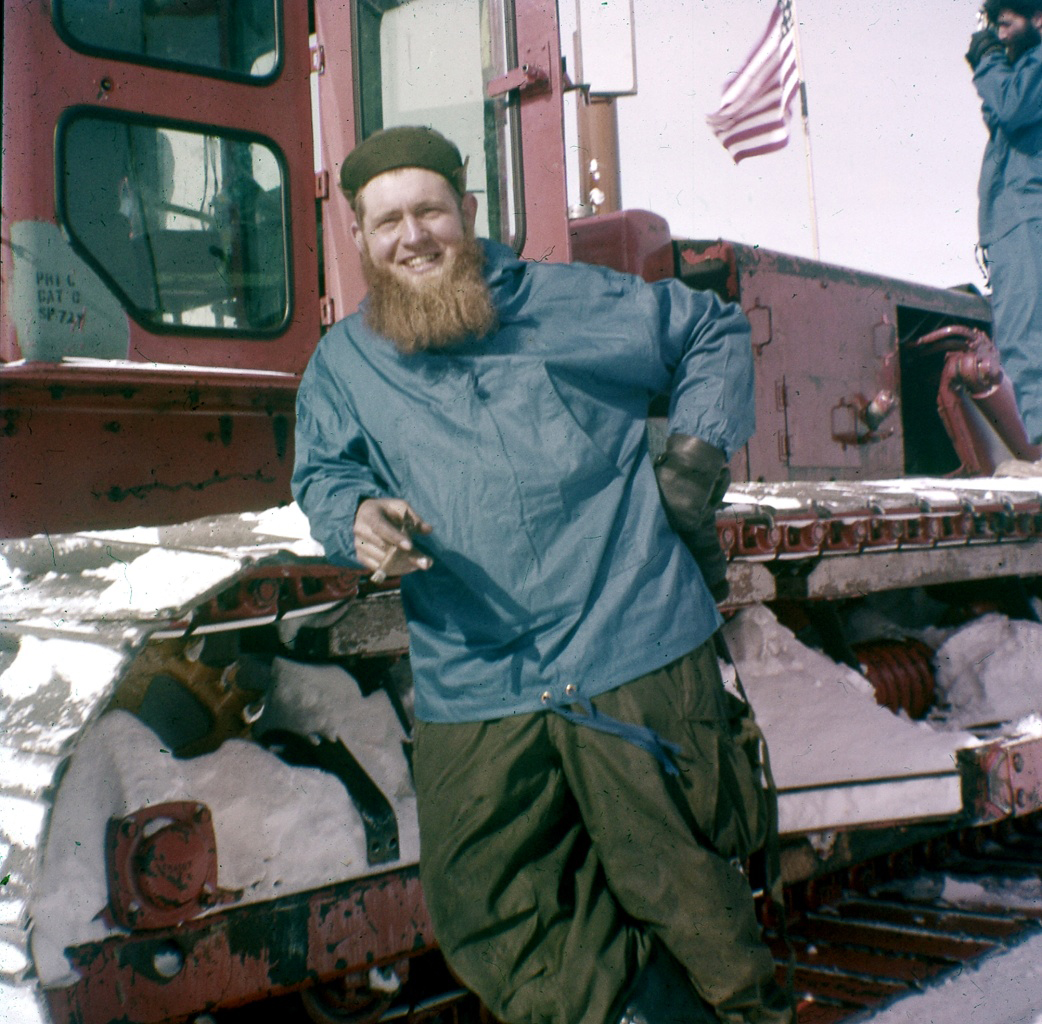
1002 988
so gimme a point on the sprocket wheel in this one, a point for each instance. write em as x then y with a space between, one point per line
359 998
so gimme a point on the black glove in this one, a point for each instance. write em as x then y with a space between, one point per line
982 42
704 544
693 478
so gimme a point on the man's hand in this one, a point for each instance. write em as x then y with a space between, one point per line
383 537
982 42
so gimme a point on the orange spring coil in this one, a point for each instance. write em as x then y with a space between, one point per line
901 673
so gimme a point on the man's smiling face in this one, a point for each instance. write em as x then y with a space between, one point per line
412 222
422 263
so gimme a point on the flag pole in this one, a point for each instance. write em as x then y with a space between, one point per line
804 116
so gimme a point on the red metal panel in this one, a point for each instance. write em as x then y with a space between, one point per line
1003 778
829 341
43 77
825 340
542 134
633 241
83 448
246 953
337 105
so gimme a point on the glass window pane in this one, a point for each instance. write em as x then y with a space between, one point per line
228 37
189 227
429 62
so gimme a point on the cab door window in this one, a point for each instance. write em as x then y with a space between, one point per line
428 62
188 226
229 38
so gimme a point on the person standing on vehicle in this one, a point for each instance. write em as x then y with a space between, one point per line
1006 58
479 429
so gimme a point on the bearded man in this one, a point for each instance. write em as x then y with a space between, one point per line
1006 59
478 428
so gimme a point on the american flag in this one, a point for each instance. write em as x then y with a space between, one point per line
754 112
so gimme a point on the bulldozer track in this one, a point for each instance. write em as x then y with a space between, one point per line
858 940
884 930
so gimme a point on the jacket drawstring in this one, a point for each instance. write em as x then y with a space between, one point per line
664 751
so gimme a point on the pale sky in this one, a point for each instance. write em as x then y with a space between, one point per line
895 125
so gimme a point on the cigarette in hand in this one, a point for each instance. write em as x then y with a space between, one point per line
380 572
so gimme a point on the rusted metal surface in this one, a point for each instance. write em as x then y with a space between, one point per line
137 446
715 266
826 342
939 920
921 944
541 114
839 959
268 593
1002 778
975 400
162 864
847 538
375 626
863 993
860 938
261 950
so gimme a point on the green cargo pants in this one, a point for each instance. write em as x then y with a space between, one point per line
551 853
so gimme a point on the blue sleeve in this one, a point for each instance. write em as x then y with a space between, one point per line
1012 95
706 349
331 471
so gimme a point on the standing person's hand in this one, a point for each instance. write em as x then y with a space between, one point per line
383 537
981 42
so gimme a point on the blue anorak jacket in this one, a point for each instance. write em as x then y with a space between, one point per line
1010 186
556 575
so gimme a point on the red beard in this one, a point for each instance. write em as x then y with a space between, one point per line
438 313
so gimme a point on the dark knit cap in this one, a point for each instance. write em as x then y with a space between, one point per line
405 146
1025 8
